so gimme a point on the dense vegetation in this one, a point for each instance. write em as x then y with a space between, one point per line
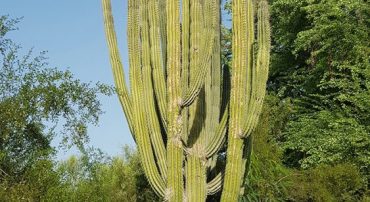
315 144
312 142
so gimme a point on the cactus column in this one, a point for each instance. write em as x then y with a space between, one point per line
177 106
248 84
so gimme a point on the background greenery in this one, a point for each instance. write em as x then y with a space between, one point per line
312 143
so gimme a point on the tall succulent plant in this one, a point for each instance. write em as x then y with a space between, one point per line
191 120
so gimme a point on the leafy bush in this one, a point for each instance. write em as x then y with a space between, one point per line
326 138
119 179
270 179
342 182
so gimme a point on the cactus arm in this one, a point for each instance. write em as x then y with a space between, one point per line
255 92
148 161
175 156
152 118
215 184
195 111
234 159
135 119
141 130
261 66
263 56
163 29
201 66
196 24
185 28
219 138
197 84
116 63
234 165
214 92
248 48
212 84
158 65
133 35
252 77
214 130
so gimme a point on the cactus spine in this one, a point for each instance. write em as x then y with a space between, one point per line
181 109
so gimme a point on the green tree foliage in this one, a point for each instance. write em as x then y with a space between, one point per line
341 182
90 177
34 100
117 179
326 138
320 65
321 61
35 183
270 180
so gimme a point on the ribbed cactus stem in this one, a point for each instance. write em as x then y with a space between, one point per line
217 140
196 184
215 185
240 61
162 4
185 41
204 47
148 93
116 63
263 55
213 79
195 172
158 65
246 92
260 67
196 22
175 187
143 139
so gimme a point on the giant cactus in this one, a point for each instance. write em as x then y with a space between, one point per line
183 108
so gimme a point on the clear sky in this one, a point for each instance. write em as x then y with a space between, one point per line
72 33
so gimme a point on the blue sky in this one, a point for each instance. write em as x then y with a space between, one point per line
72 33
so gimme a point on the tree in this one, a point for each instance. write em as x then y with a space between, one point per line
269 179
119 178
34 99
323 49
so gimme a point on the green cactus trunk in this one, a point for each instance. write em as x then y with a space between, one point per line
180 96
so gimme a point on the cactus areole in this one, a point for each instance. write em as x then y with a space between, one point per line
194 133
